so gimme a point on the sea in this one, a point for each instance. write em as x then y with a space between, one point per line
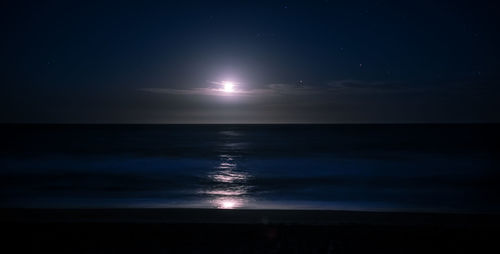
356 167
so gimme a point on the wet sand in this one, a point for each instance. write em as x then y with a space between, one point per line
244 231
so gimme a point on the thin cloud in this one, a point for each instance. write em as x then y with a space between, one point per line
272 89
276 89
348 85
193 91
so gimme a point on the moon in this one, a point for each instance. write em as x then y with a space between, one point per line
228 86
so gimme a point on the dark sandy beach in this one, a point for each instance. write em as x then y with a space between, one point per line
244 231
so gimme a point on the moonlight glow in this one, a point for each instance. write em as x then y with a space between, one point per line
227 203
228 87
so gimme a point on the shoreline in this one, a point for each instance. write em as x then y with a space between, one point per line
244 231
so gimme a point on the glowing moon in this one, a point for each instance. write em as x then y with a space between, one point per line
228 87
227 204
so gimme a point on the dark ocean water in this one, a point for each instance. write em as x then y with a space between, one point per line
342 167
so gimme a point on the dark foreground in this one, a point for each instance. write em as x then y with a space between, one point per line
240 231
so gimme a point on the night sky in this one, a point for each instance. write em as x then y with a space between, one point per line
288 61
